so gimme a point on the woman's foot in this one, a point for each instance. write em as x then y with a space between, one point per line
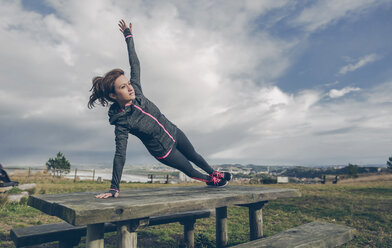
222 175
217 182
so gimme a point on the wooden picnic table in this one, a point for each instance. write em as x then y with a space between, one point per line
133 208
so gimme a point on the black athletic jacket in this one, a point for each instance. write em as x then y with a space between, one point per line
142 119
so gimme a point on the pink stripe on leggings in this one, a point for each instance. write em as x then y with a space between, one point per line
167 154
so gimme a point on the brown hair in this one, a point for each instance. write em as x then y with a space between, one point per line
102 87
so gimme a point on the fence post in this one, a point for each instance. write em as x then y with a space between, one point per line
76 171
93 174
28 175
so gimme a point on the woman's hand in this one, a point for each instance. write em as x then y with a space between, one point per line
123 26
107 195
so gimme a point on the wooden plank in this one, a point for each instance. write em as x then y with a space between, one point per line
83 208
311 235
47 233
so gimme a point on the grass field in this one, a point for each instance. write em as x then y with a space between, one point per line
365 204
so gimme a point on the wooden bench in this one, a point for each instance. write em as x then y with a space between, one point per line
314 234
69 235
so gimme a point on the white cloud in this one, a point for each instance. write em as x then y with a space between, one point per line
361 62
202 63
355 129
334 93
325 12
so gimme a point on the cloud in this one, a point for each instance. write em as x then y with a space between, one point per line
210 59
326 12
334 93
206 66
355 129
361 62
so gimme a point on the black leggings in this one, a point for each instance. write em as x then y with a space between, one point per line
184 152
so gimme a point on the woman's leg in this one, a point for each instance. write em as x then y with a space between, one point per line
187 149
178 161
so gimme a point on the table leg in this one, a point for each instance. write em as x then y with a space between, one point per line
126 237
94 237
256 220
189 233
221 227
126 232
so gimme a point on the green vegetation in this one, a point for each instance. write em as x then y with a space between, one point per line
59 164
363 205
14 190
352 170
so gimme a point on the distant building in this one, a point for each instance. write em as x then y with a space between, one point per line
282 179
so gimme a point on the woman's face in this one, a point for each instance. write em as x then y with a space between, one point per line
124 92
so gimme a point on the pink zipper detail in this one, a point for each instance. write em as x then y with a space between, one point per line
156 121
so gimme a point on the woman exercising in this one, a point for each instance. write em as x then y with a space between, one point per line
131 112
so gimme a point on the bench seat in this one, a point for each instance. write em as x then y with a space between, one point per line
314 234
70 235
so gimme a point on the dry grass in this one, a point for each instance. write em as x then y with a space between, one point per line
367 178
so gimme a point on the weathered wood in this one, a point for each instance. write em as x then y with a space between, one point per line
70 235
189 233
126 232
40 234
255 219
221 227
311 235
94 237
140 203
126 237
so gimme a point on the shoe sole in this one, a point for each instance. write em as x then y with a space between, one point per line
216 186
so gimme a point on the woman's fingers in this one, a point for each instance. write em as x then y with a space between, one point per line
106 195
122 25
103 195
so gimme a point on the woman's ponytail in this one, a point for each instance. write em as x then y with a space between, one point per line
97 93
102 87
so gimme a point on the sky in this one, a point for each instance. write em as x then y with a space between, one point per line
253 82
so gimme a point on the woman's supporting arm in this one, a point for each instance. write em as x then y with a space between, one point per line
120 155
133 59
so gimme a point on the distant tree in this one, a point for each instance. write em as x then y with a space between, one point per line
58 164
389 163
352 170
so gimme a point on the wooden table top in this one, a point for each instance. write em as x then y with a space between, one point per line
83 208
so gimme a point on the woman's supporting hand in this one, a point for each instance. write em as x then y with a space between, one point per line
123 26
107 195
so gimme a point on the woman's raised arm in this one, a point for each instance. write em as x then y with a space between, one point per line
133 59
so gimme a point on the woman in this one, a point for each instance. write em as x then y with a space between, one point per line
131 112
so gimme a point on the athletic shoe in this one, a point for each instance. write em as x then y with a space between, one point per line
222 175
216 182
